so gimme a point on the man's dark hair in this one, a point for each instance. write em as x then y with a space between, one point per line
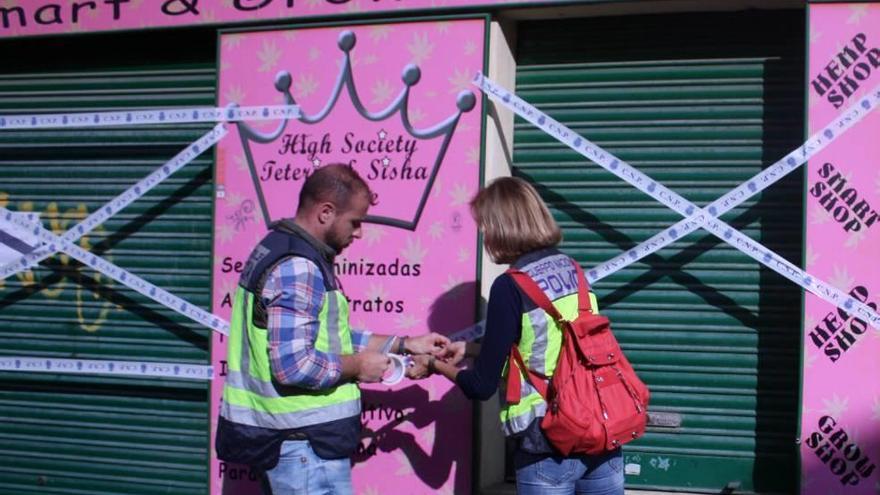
336 183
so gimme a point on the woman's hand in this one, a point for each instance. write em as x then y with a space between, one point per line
429 343
455 353
418 369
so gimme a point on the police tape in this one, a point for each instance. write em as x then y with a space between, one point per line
147 117
746 190
700 218
88 366
56 243
470 333
142 187
18 240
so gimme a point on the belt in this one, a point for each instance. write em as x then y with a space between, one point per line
297 435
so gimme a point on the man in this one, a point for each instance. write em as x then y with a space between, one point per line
291 405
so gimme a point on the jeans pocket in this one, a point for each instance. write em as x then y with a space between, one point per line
338 473
616 463
610 463
294 471
556 471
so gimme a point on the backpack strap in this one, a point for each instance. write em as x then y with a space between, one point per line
584 305
525 282
513 377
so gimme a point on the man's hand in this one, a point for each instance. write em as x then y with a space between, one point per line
419 367
430 343
371 366
454 353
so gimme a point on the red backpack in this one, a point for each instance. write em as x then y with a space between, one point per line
595 401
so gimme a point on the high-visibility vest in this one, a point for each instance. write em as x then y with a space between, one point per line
541 337
250 395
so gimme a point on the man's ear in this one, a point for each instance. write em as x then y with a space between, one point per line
326 213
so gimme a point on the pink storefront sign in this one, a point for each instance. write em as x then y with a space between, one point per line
840 422
394 102
40 17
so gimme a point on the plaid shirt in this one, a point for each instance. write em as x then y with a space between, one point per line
294 293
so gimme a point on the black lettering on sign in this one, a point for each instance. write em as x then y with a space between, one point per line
227 301
180 7
363 268
839 452
306 145
380 412
76 6
384 169
236 472
274 171
376 305
843 200
229 266
6 14
839 331
239 4
847 71
55 13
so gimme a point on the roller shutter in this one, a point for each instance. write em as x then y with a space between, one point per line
79 434
700 102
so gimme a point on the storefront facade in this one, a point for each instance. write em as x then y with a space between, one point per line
700 96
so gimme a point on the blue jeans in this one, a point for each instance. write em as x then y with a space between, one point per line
583 475
301 471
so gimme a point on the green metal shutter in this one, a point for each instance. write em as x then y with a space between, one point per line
80 434
699 102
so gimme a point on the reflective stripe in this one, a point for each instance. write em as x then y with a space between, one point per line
244 340
537 358
334 326
527 337
261 367
301 400
283 421
269 389
532 407
344 334
526 389
322 341
236 327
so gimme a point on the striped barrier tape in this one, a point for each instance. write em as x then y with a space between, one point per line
89 366
23 228
789 163
18 241
703 218
55 243
133 193
148 117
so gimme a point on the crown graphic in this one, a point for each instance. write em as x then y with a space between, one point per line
465 102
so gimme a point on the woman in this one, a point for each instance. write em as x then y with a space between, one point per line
518 230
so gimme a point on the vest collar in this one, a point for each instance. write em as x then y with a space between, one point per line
533 256
288 226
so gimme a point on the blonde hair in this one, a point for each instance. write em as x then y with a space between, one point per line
514 220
